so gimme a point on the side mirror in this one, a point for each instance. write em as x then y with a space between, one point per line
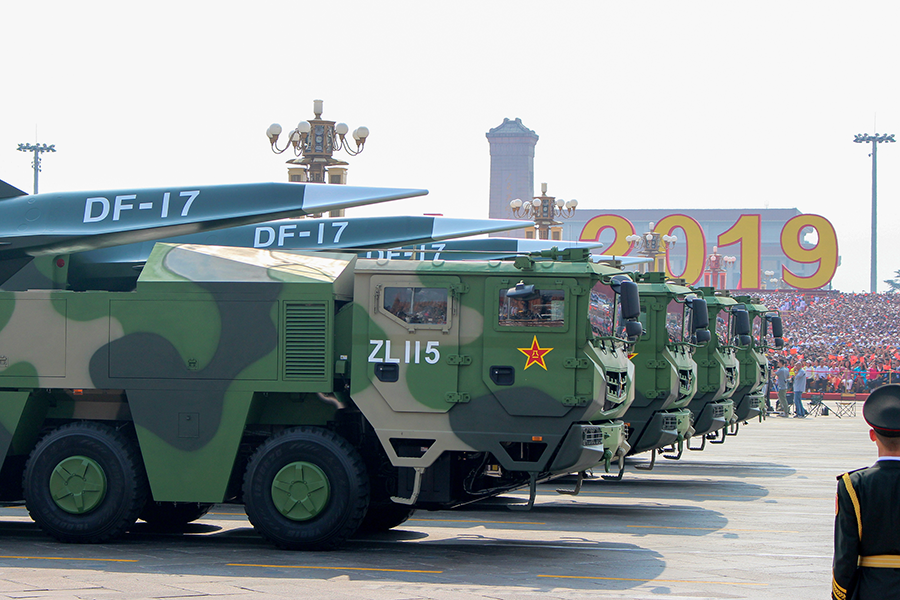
741 320
744 340
634 329
777 327
703 336
631 300
779 342
701 315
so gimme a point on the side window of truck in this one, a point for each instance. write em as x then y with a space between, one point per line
547 309
421 306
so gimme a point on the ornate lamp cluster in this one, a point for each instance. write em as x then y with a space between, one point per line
652 244
316 140
715 269
543 210
716 262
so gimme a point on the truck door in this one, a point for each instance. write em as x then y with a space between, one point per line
413 351
530 352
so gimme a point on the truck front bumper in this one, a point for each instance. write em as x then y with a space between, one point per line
586 446
714 416
664 429
748 407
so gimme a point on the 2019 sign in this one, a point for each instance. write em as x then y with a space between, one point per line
745 233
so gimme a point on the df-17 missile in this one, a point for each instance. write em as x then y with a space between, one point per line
117 268
496 248
65 222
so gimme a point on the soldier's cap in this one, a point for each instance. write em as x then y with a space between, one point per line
881 410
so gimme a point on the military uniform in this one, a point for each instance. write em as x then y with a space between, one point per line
867 520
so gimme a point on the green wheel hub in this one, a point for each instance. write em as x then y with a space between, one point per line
300 491
78 485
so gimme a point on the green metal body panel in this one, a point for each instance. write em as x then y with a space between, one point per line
665 372
718 369
748 398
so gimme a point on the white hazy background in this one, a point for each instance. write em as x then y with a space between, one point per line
655 104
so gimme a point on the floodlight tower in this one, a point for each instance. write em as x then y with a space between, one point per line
37 149
876 139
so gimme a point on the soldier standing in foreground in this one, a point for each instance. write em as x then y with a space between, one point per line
867 520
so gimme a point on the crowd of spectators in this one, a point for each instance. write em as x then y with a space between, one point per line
846 342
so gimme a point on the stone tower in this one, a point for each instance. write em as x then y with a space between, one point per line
512 167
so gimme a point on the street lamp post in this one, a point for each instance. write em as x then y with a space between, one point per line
878 138
314 143
652 245
543 210
36 163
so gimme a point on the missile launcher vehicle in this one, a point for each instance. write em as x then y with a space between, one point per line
323 391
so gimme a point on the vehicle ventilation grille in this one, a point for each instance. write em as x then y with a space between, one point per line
592 436
670 422
305 342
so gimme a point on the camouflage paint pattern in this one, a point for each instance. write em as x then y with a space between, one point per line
192 351
215 340
453 403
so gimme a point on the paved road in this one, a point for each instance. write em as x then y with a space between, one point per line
751 518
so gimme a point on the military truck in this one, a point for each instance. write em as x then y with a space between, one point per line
718 370
323 391
749 398
674 321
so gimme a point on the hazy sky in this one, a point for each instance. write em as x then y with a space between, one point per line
637 104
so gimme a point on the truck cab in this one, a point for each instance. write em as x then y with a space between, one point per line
718 370
674 320
749 397
481 377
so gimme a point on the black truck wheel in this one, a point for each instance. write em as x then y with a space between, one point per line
85 483
306 488
172 516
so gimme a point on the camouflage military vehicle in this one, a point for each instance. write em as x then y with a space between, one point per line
718 370
324 392
749 400
674 320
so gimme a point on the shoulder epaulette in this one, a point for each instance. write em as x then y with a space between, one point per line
839 477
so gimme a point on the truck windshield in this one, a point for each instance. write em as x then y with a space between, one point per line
677 321
604 313
546 309
723 327
757 330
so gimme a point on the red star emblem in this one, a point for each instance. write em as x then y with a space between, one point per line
535 354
